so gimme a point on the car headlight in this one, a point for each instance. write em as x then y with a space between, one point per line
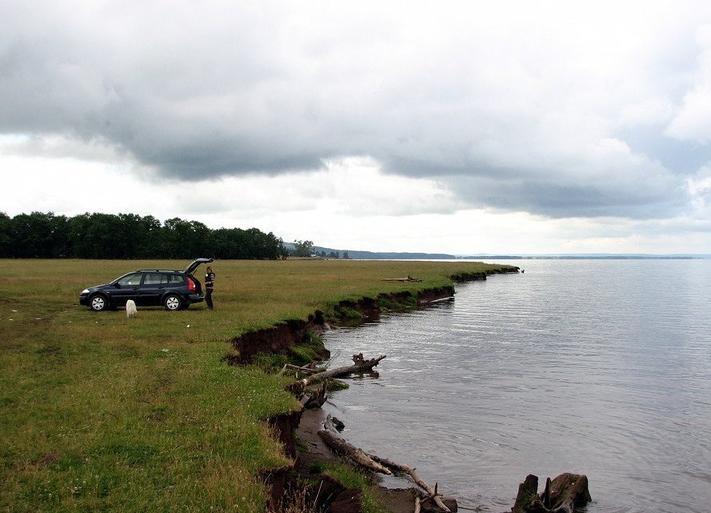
85 291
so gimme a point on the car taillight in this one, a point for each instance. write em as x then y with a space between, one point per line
192 286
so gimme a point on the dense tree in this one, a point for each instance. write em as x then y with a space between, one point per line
39 235
97 236
303 248
252 243
181 237
5 234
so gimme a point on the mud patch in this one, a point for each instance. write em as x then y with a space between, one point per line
284 426
279 339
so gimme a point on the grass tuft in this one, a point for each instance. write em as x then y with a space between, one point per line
352 478
310 349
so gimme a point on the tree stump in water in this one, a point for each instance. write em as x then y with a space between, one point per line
527 500
565 494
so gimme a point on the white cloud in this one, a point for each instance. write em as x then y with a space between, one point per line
699 187
71 185
692 121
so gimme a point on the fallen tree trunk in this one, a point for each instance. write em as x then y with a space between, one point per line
410 472
296 369
360 365
354 453
409 278
381 465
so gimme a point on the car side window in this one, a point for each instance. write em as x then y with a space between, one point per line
153 279
130 280
176 279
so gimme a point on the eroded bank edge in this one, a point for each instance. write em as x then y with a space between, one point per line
288 335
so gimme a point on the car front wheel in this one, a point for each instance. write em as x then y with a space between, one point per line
172 302
98 303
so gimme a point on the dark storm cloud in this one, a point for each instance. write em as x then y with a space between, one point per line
574 200
504 118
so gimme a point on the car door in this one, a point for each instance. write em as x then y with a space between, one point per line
125 288
195 263
152 288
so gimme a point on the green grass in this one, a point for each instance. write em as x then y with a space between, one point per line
102 413
351 477
307 350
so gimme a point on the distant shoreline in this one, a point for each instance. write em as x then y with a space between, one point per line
588 257
353 254
479 258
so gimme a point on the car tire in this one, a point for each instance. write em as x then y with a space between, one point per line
172 302
99 303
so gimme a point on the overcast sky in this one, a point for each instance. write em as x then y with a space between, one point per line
461 127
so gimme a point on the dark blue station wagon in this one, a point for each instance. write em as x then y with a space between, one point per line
173 290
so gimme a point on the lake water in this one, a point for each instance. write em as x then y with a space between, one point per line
601 367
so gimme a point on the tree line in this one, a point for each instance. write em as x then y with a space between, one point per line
122 236
306 248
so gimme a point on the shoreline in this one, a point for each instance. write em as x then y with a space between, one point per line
297 429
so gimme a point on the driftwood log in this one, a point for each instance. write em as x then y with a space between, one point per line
409 278
564 494
298 369
381 465
360 365
412 474
340 446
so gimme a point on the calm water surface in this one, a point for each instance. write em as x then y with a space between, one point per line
595 367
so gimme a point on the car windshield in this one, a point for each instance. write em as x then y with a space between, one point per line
130 280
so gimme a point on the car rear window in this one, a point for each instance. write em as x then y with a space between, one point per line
175 278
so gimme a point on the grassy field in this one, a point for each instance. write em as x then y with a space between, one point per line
102 413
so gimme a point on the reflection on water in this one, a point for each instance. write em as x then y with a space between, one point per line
595 367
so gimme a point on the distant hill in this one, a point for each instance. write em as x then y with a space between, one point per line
398 255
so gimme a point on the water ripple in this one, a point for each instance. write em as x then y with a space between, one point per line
598 367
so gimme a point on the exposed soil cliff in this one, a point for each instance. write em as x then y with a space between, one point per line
286 337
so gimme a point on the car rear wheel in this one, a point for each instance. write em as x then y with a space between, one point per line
98 303
172 302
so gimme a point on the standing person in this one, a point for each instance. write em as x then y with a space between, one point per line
209 285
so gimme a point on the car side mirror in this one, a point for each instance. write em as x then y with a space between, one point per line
117 285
